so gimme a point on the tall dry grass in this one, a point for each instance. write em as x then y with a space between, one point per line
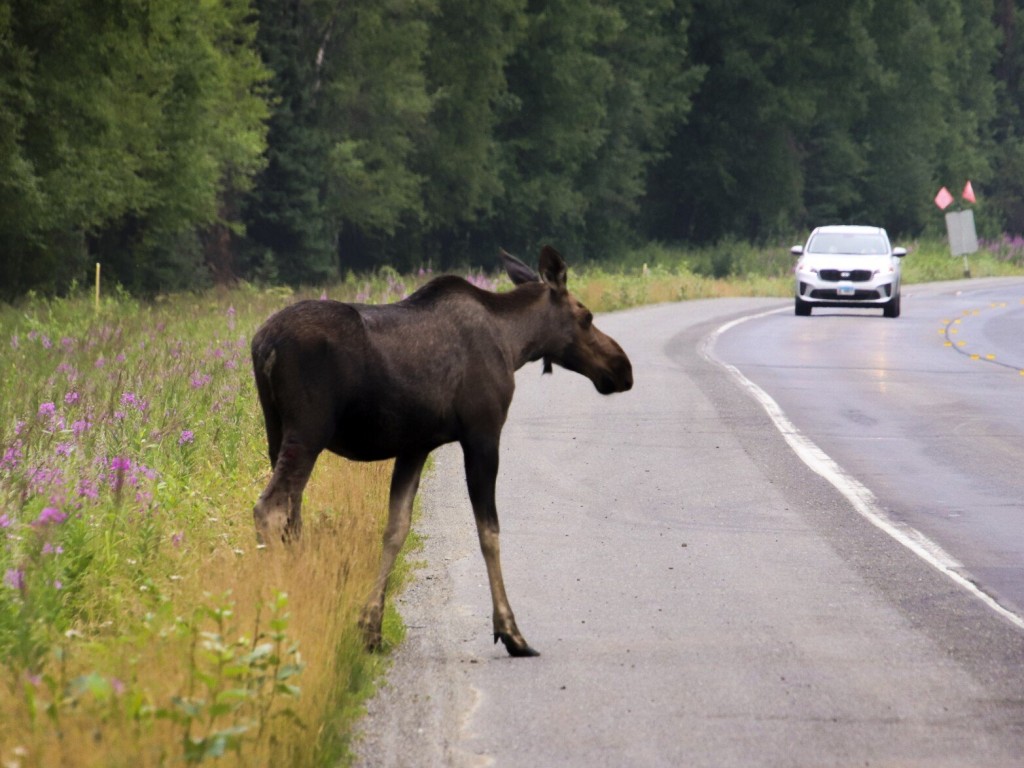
326 578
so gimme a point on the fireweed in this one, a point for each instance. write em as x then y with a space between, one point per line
95 438
131 452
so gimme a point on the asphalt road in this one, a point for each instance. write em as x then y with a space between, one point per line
700 595
926 411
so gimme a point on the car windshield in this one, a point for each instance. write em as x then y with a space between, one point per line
847 243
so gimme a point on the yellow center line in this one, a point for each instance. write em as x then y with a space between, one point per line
950 328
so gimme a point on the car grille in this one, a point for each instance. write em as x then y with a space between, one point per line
831 295
853 275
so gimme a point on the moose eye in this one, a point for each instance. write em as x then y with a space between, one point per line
587 320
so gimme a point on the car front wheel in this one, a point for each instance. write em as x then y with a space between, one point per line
803 308
892 307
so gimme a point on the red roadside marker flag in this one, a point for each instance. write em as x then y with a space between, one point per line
943 199
968 193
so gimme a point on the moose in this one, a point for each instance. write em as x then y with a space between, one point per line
373 382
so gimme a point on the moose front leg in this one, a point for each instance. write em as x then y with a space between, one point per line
505 628
405 480
481 473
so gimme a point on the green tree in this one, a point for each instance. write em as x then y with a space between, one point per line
825 111
376 107
929 115
351 107
460 156
594 89
1006 187
128 123
650 94
287 226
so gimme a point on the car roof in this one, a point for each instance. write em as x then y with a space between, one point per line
848 229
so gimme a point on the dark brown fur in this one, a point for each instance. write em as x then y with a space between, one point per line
396 381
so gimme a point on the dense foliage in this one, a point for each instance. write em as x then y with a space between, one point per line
179 142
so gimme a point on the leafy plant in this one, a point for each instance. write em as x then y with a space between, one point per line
233 685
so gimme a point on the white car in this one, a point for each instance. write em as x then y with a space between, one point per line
848 266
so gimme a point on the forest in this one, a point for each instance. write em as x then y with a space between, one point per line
182 143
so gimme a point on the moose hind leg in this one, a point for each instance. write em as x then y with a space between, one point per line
278 513
481 474
405 480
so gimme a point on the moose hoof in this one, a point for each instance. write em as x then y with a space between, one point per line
515 646
372 639
370 626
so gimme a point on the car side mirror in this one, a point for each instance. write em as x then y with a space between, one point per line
899 252
797 250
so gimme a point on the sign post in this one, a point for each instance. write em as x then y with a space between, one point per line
963 238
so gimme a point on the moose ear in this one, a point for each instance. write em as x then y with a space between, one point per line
517 270
553 268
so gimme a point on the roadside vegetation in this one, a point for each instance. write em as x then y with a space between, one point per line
140 624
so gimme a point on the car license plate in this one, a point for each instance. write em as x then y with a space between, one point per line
845 290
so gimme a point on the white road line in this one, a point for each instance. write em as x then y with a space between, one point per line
862 499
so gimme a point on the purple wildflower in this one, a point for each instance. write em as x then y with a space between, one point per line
87 489
15 578
14 341
58 584
42 478
177 538
119 467
49 549
12 456
47 409
64 449
5 521
481 280
187 436
79 427
100 362
49 515
199 380
71 398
